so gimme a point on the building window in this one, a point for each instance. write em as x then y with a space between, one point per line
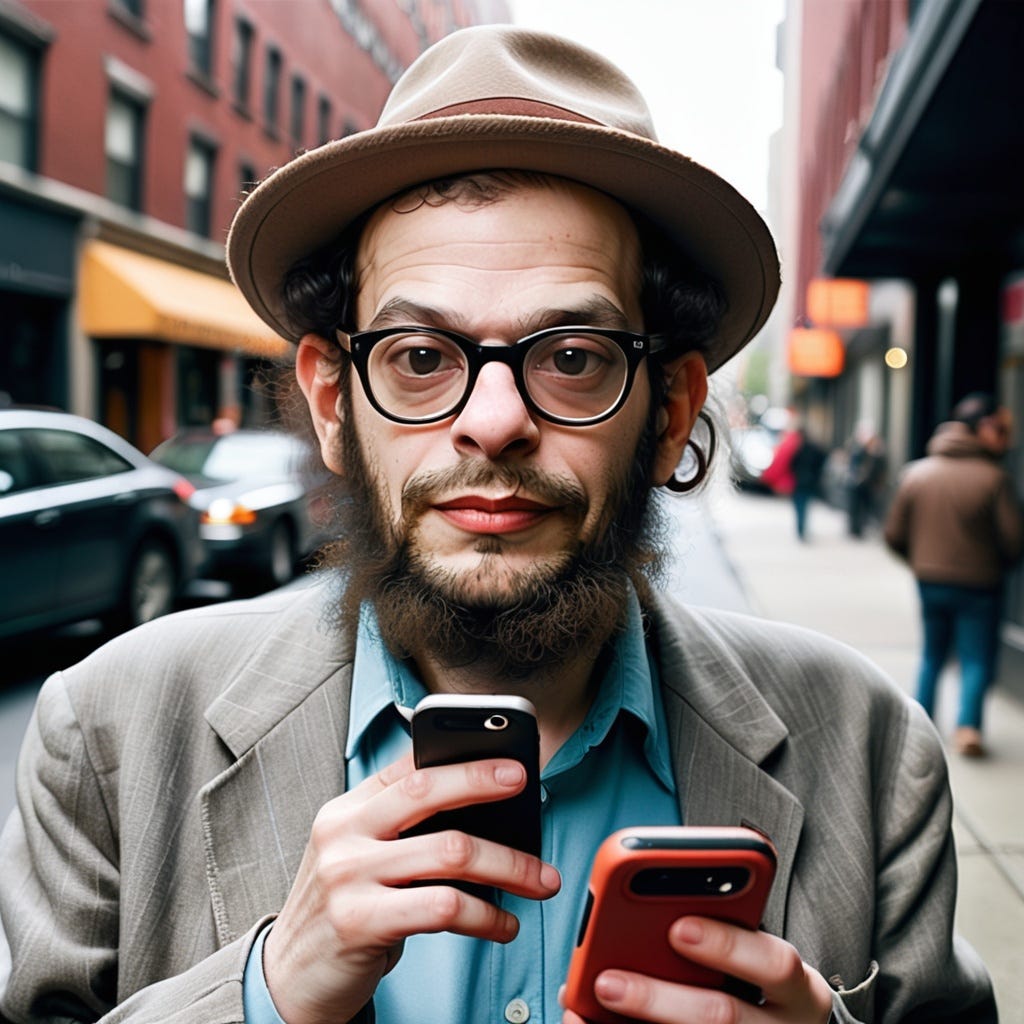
124 134
19 87
243 62
199 25
248 179
297 120
323 121
136 8
272 88
199 186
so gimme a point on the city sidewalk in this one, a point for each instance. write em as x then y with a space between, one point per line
857 592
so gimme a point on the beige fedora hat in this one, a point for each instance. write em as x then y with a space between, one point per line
500 96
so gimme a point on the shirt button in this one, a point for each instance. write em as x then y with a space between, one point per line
517 1012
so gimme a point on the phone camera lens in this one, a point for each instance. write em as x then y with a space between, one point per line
496 723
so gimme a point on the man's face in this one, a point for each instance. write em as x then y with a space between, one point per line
496 496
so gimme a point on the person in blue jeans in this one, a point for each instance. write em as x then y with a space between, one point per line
967 621
956 519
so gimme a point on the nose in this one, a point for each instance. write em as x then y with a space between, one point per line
495 421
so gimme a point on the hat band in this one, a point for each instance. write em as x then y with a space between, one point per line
511 106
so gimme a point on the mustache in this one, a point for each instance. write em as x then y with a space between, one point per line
423 489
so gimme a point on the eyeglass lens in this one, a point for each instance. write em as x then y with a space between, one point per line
571 375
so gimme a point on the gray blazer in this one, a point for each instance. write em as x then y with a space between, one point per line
167 785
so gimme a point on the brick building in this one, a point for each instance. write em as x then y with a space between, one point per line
129 130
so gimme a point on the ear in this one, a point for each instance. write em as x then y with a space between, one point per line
686 388
317 368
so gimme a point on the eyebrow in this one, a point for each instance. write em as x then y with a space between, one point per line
597 311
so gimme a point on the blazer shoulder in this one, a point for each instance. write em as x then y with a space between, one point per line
789 665
200 651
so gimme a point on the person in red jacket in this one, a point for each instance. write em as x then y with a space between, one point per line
956 519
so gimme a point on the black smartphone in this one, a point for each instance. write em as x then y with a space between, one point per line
448 729
644 879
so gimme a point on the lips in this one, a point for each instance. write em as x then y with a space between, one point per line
479 514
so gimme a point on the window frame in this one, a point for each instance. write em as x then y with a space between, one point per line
26 123
138 109
243 47
273 74
201 48
199 209
297 109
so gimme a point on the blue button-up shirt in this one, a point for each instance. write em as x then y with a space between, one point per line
613 772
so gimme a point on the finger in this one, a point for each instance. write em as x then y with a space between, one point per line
458 856
763 960
418 795
642 997
385 778
441 908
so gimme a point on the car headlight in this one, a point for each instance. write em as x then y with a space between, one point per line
225 512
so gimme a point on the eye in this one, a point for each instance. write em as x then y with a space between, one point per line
572 361
418 356
423 360
574 357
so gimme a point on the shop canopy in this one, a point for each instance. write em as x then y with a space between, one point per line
127 294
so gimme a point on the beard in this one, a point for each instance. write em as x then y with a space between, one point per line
509 624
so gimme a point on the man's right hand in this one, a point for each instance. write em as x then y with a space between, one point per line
351 907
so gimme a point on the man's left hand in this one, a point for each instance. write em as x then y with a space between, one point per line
792 990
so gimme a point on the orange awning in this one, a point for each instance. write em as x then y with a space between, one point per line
126 294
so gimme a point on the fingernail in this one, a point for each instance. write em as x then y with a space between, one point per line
509 774
550 878
688 930
610 988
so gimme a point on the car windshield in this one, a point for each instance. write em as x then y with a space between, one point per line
231 457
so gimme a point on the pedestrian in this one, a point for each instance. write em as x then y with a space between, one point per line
806 464
957 521
865 477
213 809
778 474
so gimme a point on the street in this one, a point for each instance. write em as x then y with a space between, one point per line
738 551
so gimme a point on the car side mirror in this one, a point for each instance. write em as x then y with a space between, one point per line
6 481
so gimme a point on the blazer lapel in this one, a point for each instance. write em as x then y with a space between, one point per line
284 718
722 734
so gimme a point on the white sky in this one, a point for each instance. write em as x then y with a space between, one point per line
706 68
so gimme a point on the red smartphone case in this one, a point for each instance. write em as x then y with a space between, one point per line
644 879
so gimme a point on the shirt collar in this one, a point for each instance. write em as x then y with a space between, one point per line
629 684
379 680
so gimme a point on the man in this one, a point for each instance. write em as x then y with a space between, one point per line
807 464
865 474
955 518
211 809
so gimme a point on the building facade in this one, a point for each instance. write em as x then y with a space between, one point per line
905 136
130 130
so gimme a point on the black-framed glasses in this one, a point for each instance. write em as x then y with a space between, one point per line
571 375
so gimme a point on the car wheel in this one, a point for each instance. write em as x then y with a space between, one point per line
281 555
152 584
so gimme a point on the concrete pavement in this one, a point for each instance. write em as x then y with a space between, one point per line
857 592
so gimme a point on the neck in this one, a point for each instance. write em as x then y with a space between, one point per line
561 695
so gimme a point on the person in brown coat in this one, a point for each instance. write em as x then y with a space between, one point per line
957 521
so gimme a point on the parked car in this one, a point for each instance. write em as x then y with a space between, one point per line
752 451
89 526
259 509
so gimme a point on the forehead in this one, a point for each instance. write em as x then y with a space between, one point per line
535 238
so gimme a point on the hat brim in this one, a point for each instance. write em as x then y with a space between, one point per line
308 202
